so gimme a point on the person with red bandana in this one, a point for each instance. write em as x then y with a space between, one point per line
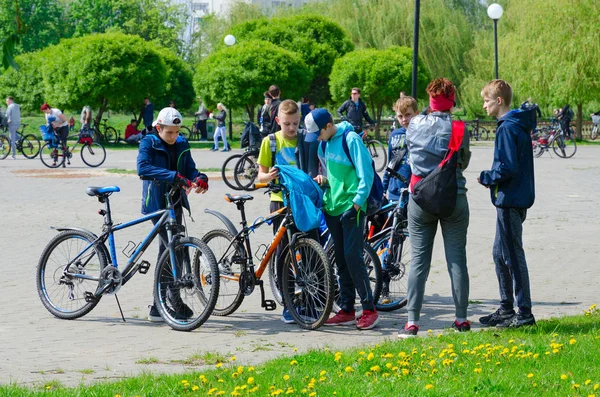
427 138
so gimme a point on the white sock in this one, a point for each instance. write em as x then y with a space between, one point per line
460 320
411 323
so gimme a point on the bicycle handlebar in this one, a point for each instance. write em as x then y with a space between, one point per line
271 186
396 175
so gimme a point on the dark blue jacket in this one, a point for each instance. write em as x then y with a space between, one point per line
153 162
511 179
148 114
396 144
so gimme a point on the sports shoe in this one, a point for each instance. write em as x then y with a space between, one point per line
368 320
408 331
465 326
181 310
154 316
517 320
491 320
342 318
213 150
286 317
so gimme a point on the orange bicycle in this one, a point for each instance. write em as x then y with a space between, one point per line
306 280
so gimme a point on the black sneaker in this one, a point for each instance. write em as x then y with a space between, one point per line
497 317
154 316
408 332
517 320
181 310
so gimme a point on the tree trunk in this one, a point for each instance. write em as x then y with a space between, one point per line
578 132
378 120
250 111
101 111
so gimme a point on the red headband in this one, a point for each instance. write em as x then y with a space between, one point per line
440 103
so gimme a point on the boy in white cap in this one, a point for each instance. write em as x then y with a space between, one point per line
165 156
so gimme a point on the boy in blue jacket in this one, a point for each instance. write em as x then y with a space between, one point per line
405 108
164 155
512 188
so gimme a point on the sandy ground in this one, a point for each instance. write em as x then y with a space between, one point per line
561 235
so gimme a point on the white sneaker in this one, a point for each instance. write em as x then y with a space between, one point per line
154 316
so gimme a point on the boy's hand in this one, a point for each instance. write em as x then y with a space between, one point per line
186 183
201 183
479 181
273 174
357 207
320 179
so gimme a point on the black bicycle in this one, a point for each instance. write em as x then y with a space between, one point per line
54 153
108 134
77 268
476 131
240 170
27 144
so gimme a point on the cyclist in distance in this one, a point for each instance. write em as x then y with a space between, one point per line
165 156
355 110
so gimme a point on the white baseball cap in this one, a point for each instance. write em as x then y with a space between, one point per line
168 116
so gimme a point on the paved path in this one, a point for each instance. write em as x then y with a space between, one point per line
561 236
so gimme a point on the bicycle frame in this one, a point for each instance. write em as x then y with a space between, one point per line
166 217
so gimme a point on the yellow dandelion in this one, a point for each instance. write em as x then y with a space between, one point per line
211 391
289 391
368 373
235 393
534 384
429 331
405 371
322 373
370 356
195 388
348 369
596 386
219 365
295 349
429 387
564 377
250 369
286 377
235 375
220 393
362 353
250 380
240 370
293 362
530 375
536 355
477 370
511 341
375 368
587 382
591 395
572 342
576 385
312 394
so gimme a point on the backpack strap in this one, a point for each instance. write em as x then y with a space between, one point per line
273 146
346 148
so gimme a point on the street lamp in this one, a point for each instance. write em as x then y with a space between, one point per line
495 12
415 49
229 41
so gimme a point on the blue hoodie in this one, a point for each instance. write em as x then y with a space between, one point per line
511 179
397 143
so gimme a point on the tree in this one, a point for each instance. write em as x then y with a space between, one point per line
178 81
238 76
381 75
318 40
159 20
25 84
36 23
101 70
555 62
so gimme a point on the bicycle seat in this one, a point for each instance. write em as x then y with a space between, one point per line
101 190
24 125
234 198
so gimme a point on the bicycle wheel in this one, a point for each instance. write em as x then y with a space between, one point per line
373 265
394 273
30 146
230 293
185 132
185 293
308 291
228 171
564 146
245 172
378 153
484 134
4 147
111 135
538 149
52 156
93 154
594 133
273 281
68 254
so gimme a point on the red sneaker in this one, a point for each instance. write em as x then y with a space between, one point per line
342 318
368 320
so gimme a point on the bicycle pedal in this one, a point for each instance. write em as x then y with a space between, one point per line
144 266
269 305
89 297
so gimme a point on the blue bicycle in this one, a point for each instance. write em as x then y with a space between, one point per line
77 268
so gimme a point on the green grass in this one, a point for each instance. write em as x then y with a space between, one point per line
558 357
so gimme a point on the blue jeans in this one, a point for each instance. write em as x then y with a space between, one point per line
509 258
347 234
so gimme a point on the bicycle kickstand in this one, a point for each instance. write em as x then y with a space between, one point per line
120 310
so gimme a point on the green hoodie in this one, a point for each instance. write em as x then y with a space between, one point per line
347 185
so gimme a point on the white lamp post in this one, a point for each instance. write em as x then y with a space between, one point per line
229 41
495 12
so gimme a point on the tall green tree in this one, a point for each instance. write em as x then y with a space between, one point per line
32 24
179 81
381 75
160 20
239 75
25 84
103 70
318 40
